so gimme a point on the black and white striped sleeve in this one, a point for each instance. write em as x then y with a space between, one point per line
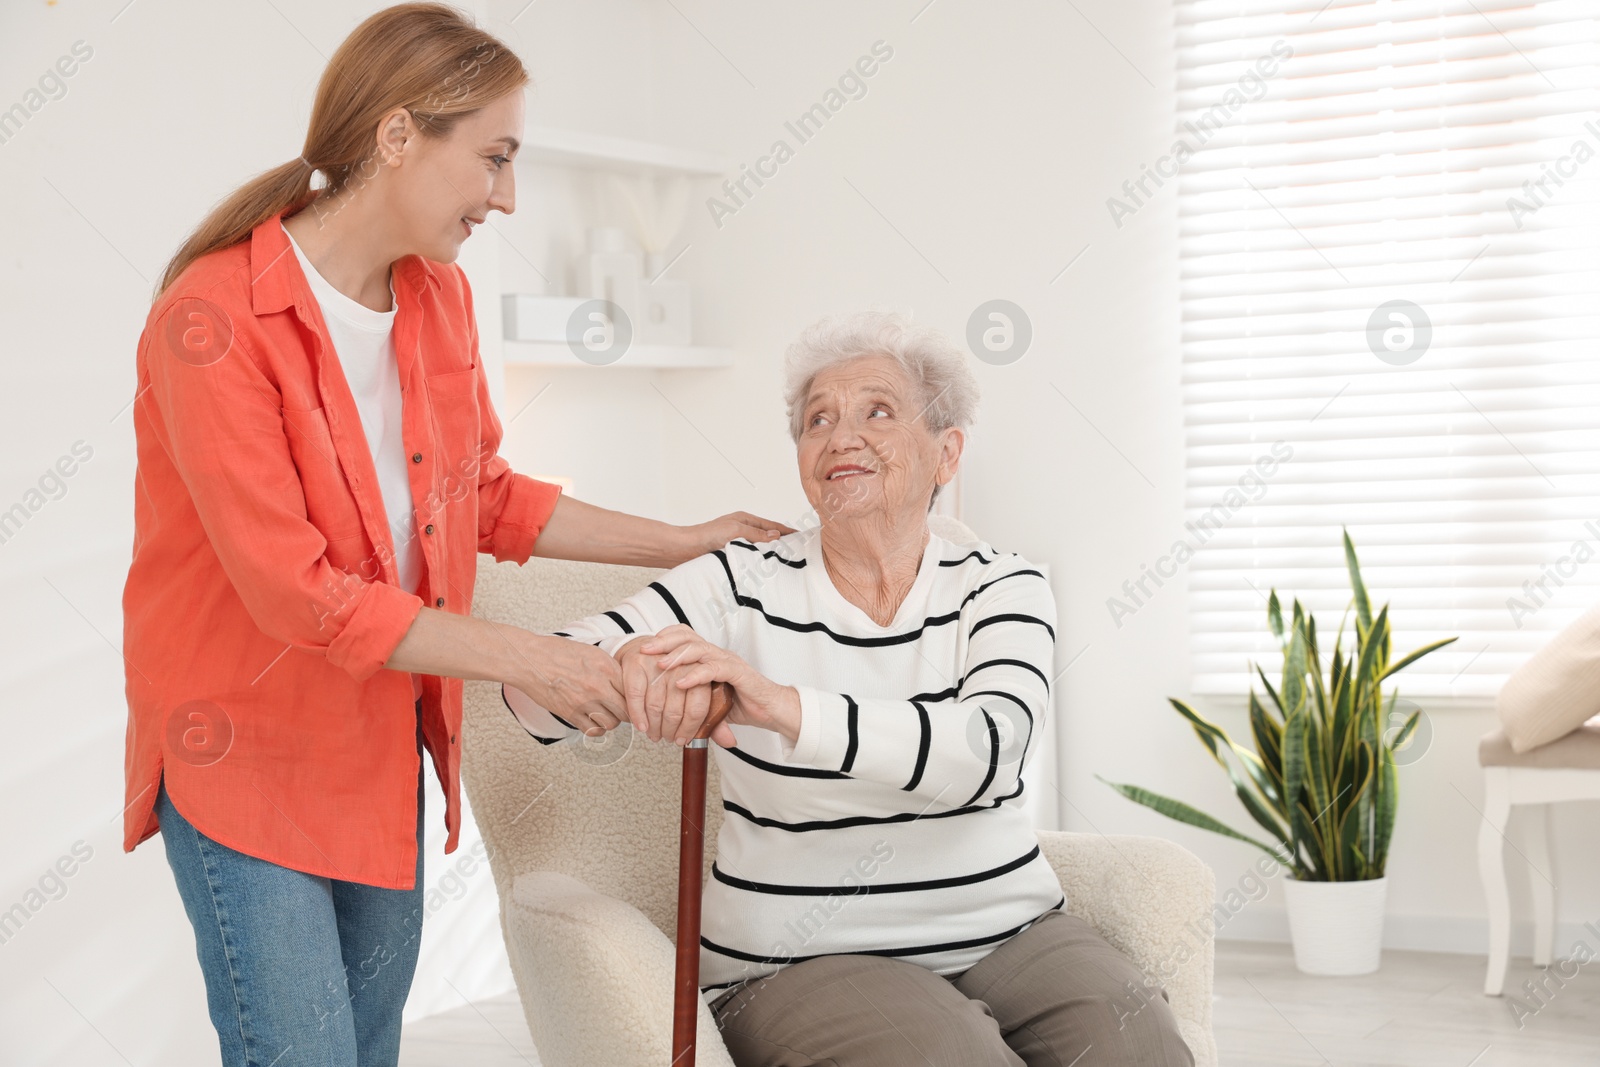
967 748
701 594
542 724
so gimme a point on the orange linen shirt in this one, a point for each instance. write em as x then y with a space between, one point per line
263 599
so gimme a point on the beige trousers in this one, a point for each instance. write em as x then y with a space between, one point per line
1055 995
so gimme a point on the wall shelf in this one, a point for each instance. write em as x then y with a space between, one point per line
550 146
638 357
574 148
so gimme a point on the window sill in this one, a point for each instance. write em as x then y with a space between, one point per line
1238 703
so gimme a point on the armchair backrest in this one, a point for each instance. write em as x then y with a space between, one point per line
602 811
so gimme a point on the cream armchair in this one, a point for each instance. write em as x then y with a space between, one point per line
583 838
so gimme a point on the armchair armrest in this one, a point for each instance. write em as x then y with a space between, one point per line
596 978
1152 899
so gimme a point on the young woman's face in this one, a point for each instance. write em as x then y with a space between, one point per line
446 186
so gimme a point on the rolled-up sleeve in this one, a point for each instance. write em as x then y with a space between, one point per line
512 512
221 422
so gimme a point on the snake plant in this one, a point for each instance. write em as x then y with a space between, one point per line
1321 781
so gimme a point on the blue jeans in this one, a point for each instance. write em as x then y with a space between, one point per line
300 970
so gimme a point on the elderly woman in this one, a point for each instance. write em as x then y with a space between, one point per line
879 897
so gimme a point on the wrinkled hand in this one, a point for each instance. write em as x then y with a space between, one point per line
575 681
708 536
688 661
659 708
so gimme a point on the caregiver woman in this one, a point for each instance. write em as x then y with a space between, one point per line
317 472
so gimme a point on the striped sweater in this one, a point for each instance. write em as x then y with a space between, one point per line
893 825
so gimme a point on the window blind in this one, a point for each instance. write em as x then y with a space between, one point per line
1389 256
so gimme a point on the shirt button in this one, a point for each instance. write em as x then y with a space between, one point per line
416 457
439 603
428 529
452 739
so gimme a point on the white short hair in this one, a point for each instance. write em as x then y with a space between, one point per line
947 389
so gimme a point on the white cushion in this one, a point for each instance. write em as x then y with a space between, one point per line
1557 689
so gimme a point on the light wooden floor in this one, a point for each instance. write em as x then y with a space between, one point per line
1421 1009
486 1033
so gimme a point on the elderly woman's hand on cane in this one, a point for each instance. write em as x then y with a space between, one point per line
657 706
688 664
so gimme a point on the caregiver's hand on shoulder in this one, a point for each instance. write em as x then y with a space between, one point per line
689 660
656 707
709 536
573 680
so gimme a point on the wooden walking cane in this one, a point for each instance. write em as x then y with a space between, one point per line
691 858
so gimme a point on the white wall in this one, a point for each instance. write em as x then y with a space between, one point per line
986 147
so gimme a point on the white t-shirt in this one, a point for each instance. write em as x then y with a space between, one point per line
363 340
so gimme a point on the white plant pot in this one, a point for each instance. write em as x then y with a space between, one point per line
1337 927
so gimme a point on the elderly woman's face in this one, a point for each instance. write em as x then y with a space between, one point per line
865 445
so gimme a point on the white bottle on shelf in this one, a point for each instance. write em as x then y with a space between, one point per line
608 271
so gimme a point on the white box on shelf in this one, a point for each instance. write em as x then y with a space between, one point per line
663 313
537 318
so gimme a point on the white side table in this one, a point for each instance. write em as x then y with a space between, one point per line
1565 769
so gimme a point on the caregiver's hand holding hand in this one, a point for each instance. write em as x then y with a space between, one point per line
572 680
690 661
